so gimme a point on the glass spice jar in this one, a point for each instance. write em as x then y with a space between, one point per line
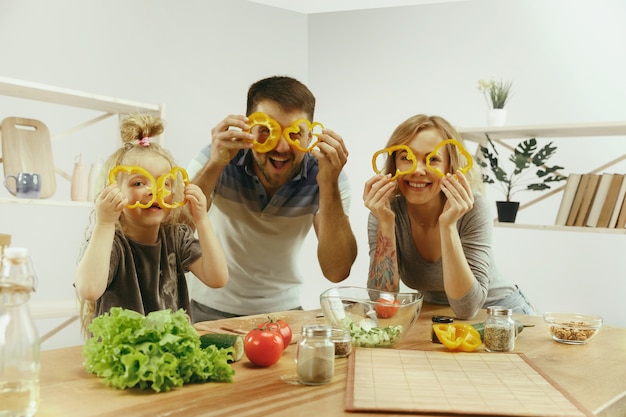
499 329
315 355
438 320
343 342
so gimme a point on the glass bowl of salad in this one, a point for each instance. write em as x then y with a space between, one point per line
374 318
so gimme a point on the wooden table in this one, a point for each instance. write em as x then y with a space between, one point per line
595 374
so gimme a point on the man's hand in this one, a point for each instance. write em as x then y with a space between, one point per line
228 137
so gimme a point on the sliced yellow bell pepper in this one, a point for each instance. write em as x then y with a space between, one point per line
164 191
457 336
295 128
461 149
262 119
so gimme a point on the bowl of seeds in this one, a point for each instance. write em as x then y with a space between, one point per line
572 328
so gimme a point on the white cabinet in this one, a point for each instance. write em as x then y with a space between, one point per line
106 106
555 133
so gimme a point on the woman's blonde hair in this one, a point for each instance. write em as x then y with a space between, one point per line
138 134
408 129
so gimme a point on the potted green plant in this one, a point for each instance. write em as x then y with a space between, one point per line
497 93
525 157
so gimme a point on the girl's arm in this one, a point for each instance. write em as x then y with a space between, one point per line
93 269
211 267
383 272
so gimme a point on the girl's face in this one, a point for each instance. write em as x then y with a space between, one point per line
422 185
137 187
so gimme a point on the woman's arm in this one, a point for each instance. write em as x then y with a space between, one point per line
383 271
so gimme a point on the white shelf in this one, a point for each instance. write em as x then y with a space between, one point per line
561 228
477 134
56 95
576 130
44 202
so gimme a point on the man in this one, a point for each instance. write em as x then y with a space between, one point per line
266 190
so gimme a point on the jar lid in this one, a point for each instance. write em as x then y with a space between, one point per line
499 311
442 319
313 330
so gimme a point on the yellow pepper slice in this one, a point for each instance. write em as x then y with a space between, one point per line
262 119
295 128
164 191
461 149
457 336
128 169
389 151
158 189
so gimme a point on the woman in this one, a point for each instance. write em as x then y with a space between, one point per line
434 232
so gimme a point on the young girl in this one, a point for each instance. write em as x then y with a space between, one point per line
142 245
432 232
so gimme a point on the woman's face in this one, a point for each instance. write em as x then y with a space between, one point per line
423 185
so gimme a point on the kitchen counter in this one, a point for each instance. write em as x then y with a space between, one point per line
594 374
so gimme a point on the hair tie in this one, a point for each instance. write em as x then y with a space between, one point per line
145 141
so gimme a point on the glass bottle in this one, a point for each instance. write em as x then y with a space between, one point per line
439 320
19 341
499 329
315 355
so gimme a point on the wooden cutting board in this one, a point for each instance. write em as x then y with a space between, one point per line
464 384
26 147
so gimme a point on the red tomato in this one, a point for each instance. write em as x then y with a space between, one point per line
284 330
385 311
263 347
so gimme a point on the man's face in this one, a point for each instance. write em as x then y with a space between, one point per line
282 163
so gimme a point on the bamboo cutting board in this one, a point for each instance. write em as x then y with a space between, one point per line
26 147
466 384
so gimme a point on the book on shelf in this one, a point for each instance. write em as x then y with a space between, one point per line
588 196
621 197
578 198
569 192
610 201
597 203
621 219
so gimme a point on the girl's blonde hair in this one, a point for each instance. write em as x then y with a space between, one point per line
408 129
138 134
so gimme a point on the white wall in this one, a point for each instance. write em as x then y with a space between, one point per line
369 70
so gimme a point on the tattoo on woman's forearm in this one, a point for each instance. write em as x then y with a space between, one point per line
383 270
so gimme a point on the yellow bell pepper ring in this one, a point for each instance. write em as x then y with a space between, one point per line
389 151
457 337
461 149
164 191
262 119
134 169
295 128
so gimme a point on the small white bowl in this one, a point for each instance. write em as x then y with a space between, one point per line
572 328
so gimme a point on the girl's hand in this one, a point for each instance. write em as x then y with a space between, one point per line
376 194
109 204
197 201
460 198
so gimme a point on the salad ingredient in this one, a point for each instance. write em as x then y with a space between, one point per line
375 336
159 351
264 347
458 336
283 328
386 309
233 342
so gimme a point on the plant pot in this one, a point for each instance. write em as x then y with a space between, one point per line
507 211
496 117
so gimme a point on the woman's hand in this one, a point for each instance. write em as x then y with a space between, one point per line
460 198
109 204
376 194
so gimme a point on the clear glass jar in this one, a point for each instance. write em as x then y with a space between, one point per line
315 355
499 329
343 342
19 341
